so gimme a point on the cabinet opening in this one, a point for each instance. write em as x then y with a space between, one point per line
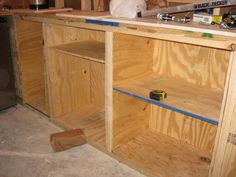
161 141
31 63
193 76
77 80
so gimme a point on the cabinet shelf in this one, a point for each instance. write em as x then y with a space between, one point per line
91 50
164 156
188 99
90 119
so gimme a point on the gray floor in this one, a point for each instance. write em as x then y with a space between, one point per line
25 151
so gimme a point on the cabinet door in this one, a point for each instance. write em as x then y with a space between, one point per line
224 157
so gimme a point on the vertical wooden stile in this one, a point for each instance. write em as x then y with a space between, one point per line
109 89
224 152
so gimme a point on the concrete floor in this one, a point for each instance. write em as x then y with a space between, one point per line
25 151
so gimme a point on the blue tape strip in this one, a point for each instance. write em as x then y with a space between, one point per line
167 107
99 22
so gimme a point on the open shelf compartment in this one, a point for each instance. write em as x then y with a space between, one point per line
205 106
77 87
160 141
91 50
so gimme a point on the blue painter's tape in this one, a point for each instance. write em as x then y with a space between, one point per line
167 107
100 22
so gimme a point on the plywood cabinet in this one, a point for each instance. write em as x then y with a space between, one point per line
98 78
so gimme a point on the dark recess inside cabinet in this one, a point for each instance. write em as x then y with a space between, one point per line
7 84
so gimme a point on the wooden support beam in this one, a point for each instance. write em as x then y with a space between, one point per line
59 3
86 5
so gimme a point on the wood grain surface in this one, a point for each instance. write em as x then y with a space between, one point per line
31 62
90 119
191 131
132 57
60 34
131 118
165 157
83 50
203 66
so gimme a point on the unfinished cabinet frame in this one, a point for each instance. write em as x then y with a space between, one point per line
76 71
98 79
30 44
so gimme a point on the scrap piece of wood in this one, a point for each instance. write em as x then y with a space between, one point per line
68 139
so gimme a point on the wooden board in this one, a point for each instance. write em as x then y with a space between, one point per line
90 119
97 84
86 5
91 50
130 118
69 83
109 89
31 60
189 99
74 83
64 34
203 66
195 132
164 157
132 57
224 161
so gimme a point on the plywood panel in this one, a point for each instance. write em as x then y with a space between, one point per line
182 97
64 34
184 128
163 156
203 66
91 50
69 83
132 57
97 84
31 60
130 116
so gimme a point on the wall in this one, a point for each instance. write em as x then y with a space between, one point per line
15 3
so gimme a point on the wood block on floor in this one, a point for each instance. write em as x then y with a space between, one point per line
68 139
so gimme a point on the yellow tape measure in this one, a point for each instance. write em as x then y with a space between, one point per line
158 95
